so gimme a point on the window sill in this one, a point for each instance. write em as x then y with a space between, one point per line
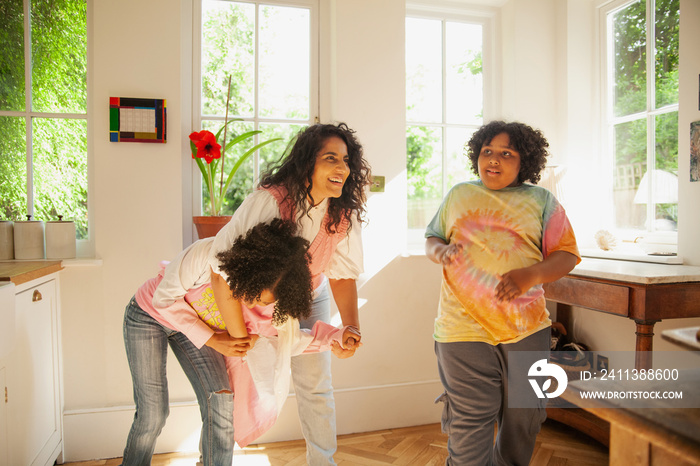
81 262
631 255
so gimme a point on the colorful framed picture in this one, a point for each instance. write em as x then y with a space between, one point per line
137 120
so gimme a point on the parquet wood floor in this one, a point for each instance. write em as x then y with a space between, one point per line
557 445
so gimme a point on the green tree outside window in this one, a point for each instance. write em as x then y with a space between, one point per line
43 118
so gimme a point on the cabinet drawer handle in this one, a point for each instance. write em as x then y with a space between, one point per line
36 296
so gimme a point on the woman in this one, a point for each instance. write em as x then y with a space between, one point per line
319 185
269 276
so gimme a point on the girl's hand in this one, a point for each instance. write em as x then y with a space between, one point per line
229 346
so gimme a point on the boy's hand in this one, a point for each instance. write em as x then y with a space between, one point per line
518 281
513 284
230 346
450 253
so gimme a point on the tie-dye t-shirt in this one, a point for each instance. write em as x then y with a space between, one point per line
500 231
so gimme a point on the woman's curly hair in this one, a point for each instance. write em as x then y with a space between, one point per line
295 172
529 142
271 257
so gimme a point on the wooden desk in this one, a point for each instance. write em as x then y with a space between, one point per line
655 432
644 292
688 338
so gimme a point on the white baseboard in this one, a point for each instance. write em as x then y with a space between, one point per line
101 433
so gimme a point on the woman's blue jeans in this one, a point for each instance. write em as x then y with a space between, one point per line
311 375
146 343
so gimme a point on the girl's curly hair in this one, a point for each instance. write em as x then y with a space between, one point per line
295 172
271 257
529 142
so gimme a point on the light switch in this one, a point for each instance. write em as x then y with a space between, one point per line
377 185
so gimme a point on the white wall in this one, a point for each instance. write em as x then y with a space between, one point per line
139 202
140 49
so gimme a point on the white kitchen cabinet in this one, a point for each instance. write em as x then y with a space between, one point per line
3 420
32 373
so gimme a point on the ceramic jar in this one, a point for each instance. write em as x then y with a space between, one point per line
60 239
29 239
7 240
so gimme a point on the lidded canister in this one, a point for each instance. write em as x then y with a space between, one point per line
29 239
60 239
7 240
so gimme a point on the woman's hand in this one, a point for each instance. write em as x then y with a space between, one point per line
230 346
351 341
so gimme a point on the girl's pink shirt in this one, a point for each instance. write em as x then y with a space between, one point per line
195 314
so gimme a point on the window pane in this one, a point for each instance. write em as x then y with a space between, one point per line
12 56
424 70
59 56
630 165
60 171
424 172
629 81
464 73
666 60
272 153
665 183
13 168
228 38
457 165
284 45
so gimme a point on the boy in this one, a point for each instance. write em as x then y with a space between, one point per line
498 239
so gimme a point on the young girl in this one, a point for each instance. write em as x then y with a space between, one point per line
498 239
268 275
320 186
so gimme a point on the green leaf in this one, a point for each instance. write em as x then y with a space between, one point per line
241 138
218 133
243 158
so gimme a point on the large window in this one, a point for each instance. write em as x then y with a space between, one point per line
267 49
642 114
43 111
444 106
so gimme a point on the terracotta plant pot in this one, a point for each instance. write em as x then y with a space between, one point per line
208 226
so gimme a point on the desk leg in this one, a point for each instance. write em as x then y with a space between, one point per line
645 344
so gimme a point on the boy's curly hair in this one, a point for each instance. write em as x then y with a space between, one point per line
271 257
529 142
295 171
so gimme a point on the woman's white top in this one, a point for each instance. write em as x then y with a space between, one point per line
261 206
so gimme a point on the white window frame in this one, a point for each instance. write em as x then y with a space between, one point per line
488 19
608 122
195 187
84 247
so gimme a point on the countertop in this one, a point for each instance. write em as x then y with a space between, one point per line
19 272
636 272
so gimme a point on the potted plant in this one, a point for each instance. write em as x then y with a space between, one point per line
209 156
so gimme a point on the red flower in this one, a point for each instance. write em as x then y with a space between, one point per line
207 147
